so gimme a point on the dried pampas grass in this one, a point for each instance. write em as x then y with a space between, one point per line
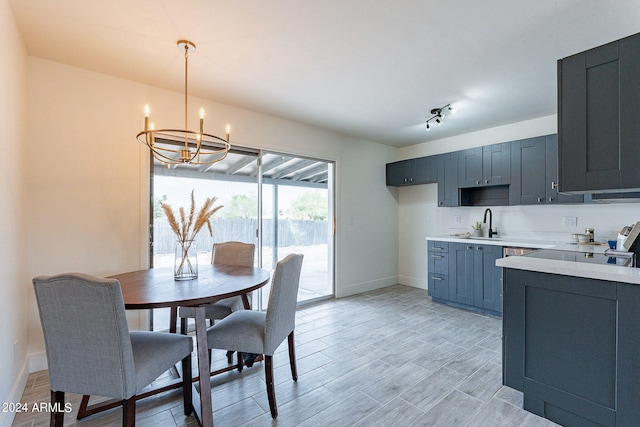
190 224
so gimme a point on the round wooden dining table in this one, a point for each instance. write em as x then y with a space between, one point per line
156 288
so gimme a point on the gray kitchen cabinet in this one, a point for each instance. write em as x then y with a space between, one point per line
422 170
570 345
461 273
465 275
496 164
484 166
528 180
470 167
598 110
487 278
438 269
551 182
448 192
534 176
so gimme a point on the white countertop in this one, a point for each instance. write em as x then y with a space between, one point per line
612 273
498 241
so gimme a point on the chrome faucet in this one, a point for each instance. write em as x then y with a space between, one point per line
491 232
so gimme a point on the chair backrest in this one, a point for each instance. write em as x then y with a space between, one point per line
283 298
233 253
86 335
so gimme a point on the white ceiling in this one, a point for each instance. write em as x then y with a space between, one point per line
372 69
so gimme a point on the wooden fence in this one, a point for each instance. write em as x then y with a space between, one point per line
290 233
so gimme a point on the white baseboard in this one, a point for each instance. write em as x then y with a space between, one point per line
412 281
6 418
358 288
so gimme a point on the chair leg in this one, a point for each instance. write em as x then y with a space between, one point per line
292 357
271 392
173 319
57 415
187 395
240 361
183 326
129 412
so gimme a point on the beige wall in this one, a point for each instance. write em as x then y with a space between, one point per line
13 280
88 181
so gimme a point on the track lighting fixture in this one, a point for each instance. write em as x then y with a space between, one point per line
438 114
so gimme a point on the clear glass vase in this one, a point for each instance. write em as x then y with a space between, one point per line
186 261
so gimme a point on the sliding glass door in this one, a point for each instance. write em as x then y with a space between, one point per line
281 203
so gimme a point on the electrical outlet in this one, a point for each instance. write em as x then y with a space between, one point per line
571 221
458 219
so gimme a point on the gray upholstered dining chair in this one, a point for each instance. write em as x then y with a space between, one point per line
90 349
226 253
249 331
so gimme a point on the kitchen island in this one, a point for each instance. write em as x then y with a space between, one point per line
571 336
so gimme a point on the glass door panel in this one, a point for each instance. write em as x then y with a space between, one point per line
297 216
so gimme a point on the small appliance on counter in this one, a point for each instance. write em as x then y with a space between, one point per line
632 242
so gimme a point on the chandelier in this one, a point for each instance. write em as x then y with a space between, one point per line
437 114
191 151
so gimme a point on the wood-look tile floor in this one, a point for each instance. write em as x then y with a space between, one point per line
386 357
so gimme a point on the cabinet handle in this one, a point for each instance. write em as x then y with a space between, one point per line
437 278
486 181
479 248
437 248
551 199
469 247
554 185
437 256
477 182
539 199
405 180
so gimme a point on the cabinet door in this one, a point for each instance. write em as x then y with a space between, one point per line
528 182
438 286
448 194
461 273
552 195
496 164
425 170
598 109
487 277
422 170
470 167
395 173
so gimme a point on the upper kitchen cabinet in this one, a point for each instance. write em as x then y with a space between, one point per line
423 170
484 166
534 173
598 110
448 193
551 176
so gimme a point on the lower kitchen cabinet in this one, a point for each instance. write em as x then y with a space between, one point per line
570 344
465 275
